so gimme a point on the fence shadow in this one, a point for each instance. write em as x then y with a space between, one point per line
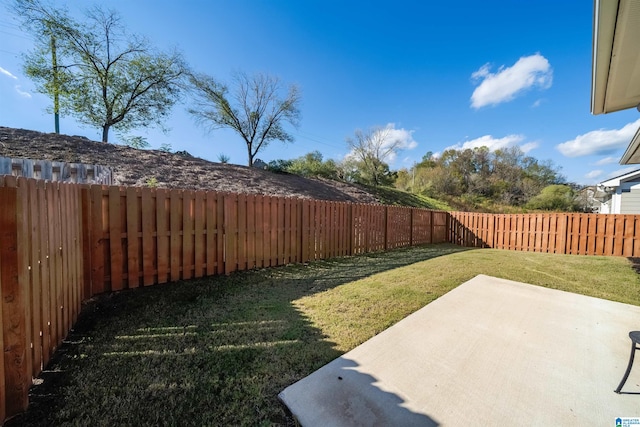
207 351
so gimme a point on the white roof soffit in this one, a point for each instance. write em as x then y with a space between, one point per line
615 71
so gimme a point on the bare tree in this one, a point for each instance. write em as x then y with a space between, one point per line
254 109
372 149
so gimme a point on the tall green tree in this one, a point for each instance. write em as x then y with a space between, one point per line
256 108
104 76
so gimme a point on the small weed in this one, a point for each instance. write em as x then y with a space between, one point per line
152 182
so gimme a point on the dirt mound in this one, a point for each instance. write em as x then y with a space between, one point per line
170 170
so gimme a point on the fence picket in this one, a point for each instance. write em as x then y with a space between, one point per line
187 234
132 207
162 235
149 244
199 219
17 376
212 232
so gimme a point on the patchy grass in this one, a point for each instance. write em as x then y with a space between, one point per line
217 351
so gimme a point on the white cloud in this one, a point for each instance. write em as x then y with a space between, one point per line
599 142
594 174
7 73
21 92
490 142
606 161
509 82
529 146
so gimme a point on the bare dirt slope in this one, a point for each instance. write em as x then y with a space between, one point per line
136 167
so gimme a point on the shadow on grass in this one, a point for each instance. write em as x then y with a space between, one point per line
211 351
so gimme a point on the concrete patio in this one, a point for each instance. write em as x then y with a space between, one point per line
490 352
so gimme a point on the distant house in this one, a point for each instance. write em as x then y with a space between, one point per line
620 195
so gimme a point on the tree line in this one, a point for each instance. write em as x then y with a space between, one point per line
475 179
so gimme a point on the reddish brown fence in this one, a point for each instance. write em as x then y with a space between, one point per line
142 236
63 243
578 234
41 279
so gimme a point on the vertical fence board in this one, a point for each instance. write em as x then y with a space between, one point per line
85 232
162 235
242 232
36 285
115 239
287 231
220 239
133 256
305 230
629 232
65 283
199 236
175 237
56 297
259 239
211 248
273 228
97 240
45 274
187 234
251 232
231 228
149 244
16 371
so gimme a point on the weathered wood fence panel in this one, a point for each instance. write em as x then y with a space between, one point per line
562 233
41 279
50 170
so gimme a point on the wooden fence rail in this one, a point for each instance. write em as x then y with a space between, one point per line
561 233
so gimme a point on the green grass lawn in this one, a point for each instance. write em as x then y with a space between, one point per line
217 351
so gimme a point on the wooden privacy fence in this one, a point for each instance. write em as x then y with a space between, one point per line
142 236
41 278
63 243
60 244
561 233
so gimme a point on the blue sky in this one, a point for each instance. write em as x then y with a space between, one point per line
495 73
